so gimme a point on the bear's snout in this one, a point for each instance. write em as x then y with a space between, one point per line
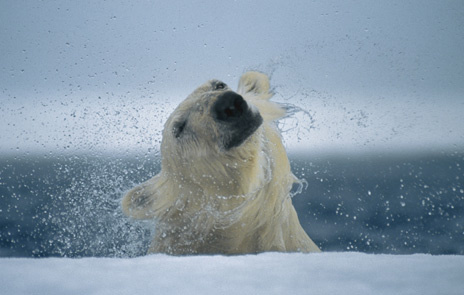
236 119
229 106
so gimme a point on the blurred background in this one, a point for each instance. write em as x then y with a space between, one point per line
377 129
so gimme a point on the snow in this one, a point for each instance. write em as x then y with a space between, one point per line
267 273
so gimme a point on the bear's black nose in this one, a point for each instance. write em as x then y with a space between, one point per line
229 106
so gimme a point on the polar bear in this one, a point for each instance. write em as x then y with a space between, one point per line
225 180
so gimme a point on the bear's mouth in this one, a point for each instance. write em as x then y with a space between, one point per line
237 121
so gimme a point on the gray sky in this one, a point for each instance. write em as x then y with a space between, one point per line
100 75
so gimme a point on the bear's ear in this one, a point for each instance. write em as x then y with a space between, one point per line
254 86
254 83
139 202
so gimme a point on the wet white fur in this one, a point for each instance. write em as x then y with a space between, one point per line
207 200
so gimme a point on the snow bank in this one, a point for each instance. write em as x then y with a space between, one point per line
269 273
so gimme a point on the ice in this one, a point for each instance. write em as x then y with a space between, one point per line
268 273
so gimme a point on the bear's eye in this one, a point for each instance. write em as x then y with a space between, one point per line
219 86
178 128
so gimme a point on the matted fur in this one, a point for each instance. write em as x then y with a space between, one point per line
211 200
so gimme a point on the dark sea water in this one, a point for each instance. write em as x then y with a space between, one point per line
62 205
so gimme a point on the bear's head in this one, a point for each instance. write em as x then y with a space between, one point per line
216 143
212 131
213 119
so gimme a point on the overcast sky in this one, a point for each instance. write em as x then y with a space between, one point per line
83 75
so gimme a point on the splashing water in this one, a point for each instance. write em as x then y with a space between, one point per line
70 206
297 122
